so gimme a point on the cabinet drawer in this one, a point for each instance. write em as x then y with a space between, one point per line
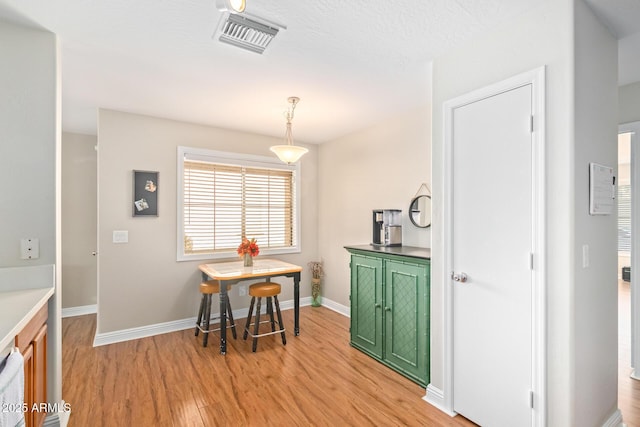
26 336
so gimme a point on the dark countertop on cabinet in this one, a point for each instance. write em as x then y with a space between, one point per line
409 251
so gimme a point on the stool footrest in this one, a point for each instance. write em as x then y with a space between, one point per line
258 292
277 331
204 331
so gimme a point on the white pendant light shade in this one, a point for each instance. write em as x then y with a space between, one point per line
289 153
237 5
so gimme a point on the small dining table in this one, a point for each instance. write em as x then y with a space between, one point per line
232 272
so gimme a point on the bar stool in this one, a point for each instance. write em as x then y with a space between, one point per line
207 289
271 291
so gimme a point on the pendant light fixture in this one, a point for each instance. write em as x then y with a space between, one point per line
289 153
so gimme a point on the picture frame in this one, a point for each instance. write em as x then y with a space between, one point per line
145 193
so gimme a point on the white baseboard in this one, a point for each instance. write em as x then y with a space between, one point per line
338 308
59 417
142 332
435 397
615 420
176 325
79 311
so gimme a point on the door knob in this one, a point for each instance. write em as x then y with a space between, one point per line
459 277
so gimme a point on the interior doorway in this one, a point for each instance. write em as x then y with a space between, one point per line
79 224
474 285
628 236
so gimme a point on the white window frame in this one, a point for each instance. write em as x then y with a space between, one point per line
224 157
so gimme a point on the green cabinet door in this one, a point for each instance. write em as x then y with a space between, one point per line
406 318
390 310
366 304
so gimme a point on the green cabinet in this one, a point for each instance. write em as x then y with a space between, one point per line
366 304
390 309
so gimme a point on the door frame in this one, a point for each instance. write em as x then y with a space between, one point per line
536 78
634 129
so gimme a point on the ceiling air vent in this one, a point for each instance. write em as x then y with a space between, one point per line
247 32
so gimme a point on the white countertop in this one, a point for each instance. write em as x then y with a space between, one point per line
23 291
17 308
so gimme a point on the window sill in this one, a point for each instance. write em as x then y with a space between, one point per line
233 256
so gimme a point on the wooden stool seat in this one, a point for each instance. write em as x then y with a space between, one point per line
211 287
264 289
207 289
271 291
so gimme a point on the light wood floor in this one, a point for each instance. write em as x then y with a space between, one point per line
171 380
316 379
628 389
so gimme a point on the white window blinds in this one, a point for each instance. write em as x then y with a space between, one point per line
624 218
223 202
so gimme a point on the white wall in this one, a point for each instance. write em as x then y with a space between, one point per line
542 37
580 59
381 167
29 160
141 283
595 295
27 143
79 219
629 103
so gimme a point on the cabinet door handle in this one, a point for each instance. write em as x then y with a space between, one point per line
387 309
378 305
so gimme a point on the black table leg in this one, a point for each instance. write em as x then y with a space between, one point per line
296 303
223 317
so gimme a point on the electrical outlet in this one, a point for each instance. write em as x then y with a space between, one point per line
242 290
29 248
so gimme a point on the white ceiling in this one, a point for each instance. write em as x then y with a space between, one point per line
622 17
352 63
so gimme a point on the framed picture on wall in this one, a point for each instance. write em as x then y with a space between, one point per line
145 193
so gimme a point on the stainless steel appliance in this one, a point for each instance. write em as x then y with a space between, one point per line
387 227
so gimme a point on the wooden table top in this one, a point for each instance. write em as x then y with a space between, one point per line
233 270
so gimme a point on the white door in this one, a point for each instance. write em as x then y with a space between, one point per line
492 246
79 222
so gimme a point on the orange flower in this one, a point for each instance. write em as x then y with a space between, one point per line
248 247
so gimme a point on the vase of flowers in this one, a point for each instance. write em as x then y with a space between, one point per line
316 275
247 250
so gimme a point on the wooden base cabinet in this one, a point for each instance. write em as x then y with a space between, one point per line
390 310
32 342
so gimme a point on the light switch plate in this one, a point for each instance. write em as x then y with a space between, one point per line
585 256
120 236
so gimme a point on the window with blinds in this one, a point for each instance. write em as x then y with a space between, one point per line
224 199
624 218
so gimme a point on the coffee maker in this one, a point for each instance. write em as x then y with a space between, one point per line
387 229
